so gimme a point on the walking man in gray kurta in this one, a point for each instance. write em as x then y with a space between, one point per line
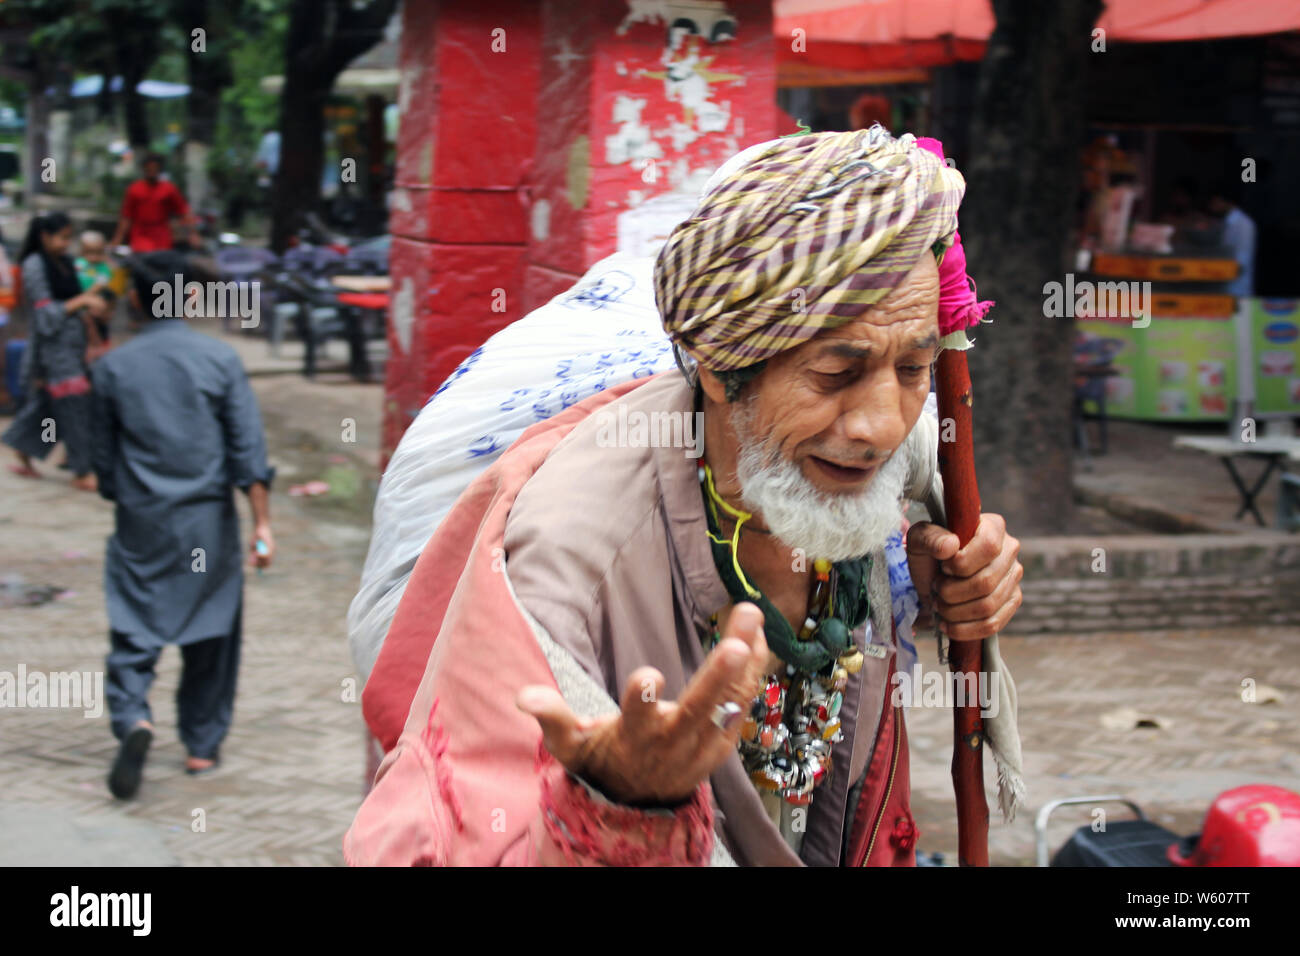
176 429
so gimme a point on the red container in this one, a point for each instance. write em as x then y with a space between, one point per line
1258 825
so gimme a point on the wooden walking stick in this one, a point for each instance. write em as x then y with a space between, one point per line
959 309
961 501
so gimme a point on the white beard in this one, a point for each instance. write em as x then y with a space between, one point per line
837 527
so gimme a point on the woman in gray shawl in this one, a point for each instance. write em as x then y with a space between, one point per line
54 366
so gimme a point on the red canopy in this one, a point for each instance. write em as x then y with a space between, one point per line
888 34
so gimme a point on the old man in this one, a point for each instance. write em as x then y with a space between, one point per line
634 655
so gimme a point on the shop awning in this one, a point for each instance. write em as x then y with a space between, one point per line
897 34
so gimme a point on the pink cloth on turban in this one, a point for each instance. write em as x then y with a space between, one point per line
958 307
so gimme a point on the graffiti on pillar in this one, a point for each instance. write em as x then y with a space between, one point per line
686 77
677 131
707 18
692 25
567 56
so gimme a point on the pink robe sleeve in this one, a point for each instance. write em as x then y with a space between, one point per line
467 782
413 817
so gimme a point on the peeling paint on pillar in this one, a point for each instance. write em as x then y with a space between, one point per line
591 90
660 105
403 312
540 219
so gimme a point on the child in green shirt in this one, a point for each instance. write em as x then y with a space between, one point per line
94 272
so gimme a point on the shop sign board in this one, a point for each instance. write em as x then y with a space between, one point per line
1275 345
1177 369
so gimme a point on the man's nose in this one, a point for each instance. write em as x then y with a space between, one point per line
873 415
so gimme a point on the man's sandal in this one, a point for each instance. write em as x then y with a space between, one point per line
128 768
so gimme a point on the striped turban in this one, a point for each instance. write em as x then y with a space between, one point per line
800 235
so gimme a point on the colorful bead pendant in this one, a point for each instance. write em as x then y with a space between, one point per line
766 778
772 693
833 634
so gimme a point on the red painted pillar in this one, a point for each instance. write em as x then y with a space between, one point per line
468 101
620 109
640 101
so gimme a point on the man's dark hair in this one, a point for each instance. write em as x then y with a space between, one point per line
734 380
158 158
148 268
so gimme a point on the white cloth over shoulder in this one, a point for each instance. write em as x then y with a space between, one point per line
602 332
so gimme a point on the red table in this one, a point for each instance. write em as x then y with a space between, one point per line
365 300
375 301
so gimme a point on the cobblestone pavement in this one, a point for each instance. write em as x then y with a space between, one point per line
292 776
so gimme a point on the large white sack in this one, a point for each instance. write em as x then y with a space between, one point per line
603 331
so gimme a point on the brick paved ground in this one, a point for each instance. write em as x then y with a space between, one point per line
292 775
1191 680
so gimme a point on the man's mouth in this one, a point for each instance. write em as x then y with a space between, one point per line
843 474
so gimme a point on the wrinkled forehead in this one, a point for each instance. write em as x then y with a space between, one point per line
866 341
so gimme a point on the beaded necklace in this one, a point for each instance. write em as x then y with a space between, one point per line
787 736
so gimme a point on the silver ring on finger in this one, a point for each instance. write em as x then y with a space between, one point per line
726 716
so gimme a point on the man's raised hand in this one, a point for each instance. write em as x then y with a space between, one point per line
656 751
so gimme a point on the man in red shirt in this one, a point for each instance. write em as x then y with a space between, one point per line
149 206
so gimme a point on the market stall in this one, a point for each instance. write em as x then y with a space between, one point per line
1164 306
1201 358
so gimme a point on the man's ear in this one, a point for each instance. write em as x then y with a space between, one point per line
714 387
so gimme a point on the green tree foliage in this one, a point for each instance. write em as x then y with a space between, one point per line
258 52
221 48
247 110
109 37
